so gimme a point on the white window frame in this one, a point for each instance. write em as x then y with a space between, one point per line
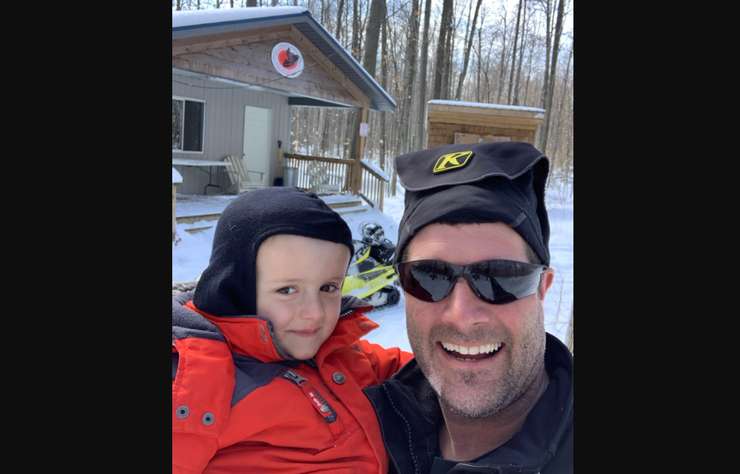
182 131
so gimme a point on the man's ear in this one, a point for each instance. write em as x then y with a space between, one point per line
546 280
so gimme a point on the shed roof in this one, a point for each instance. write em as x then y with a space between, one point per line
188 24
483 105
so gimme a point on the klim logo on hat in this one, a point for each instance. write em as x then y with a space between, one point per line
452 161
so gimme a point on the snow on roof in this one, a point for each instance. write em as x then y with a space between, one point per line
176 177
487 106
182 19
375 168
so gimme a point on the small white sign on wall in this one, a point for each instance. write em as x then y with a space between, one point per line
364 129
287 60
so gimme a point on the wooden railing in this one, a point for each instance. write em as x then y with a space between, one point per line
321 174
373 186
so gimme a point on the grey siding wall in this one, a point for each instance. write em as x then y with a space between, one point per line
224 127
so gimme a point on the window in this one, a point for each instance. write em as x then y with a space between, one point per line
187 125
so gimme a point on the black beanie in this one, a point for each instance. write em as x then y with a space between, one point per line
476 183
228 286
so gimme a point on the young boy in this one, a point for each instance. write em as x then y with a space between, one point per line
268 367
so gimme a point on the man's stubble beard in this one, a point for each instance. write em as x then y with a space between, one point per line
470 394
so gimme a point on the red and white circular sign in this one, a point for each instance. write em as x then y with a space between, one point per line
287 60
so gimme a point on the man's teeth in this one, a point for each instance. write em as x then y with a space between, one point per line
472 350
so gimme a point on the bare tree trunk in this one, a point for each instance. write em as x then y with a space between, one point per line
178 5
409 74
340 7
559 115
439 71
420 124
251 3
355 29
384 85
447 84
517 82
553 71
502 64
480 61
513 55
324 12
467 52
377 14
548 43
529 71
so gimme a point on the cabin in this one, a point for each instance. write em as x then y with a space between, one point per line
236 73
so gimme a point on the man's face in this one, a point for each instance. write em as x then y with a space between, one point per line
440 333
299 283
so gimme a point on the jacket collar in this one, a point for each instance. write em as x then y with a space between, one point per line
253 336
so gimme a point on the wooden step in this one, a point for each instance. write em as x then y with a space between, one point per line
349 210
195 230
340 205
195 218
342 201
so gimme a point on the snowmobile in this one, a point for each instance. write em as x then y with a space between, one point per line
371 276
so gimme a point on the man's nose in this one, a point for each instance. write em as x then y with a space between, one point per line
463 308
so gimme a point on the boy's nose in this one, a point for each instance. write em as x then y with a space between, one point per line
312 309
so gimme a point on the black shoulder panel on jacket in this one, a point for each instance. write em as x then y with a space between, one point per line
252 374
188 323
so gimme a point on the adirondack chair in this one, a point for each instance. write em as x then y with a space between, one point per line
244 179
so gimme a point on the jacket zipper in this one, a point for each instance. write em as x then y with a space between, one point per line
318 402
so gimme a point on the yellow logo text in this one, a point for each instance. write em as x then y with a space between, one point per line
452 161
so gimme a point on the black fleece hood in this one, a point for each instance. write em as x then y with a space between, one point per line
228 286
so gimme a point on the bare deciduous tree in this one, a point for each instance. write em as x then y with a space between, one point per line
440 73
423 78
513 55
467 51
553 69
409 74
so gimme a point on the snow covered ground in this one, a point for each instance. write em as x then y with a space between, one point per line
190 257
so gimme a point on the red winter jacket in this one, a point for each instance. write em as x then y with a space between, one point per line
240 408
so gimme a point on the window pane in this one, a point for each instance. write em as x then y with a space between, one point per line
177 124
193 140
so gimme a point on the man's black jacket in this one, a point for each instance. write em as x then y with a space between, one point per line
410 418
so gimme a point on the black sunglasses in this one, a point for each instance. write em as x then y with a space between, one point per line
493 281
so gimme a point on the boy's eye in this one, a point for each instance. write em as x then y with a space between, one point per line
287 290
330 288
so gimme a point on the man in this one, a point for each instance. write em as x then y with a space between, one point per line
489 391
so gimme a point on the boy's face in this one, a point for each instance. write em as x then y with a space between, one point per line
299 282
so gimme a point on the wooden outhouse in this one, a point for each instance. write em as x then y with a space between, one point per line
450 121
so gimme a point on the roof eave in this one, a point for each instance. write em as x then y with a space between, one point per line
380 100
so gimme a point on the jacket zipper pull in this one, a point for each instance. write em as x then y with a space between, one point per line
318 402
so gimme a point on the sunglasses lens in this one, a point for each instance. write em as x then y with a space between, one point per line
427 280
493 281
503 281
